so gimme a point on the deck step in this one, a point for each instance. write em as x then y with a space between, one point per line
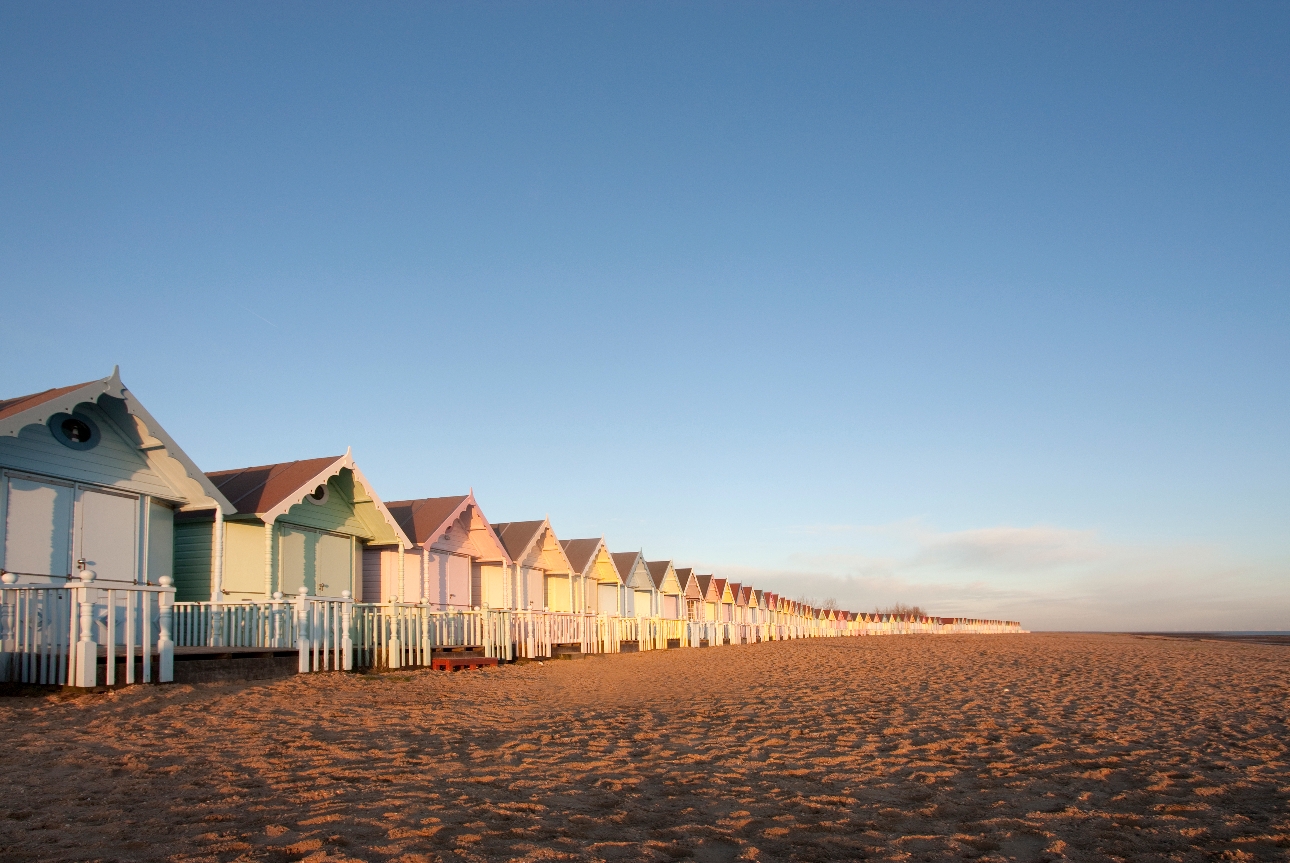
462 663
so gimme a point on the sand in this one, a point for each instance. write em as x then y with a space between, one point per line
1029 747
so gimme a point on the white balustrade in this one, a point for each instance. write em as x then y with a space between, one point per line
57 635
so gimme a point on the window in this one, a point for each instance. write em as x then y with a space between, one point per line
75 431
319 495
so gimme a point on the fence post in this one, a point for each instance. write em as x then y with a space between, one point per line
394 654
87 651
346 638
302 629
278 621
165 643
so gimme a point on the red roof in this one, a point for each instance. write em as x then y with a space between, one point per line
256 490
422 519
18 404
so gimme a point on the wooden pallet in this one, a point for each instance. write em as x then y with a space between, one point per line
462 663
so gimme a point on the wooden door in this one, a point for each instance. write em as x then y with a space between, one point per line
108 535
321 562
607 598
38 527
334 569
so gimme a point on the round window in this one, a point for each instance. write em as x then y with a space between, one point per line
319 495
76 431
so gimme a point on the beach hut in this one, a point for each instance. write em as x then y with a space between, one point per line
643 598
725 600
458 553
711 601
691 593
668 585
89 481
539 576
602 587
297 524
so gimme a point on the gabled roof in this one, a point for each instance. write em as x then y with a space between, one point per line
18 404
518 536
625 563
658 572
110 395
581 552
737 591
268 491
425 519
719 584
259 489
705 586
748 595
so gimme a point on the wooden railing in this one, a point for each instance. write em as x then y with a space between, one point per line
58 634
53 635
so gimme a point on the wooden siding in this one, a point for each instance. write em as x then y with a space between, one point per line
336 515
372 571
193 544
115 462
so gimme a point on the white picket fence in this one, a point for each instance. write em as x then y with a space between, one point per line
57 635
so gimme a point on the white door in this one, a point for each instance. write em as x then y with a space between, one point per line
644 604
493 580
38 528
607 598
108 535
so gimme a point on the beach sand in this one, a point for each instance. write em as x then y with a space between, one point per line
1026 747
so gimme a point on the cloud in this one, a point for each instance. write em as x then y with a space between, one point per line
1048 577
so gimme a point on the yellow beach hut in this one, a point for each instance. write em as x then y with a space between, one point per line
539 577
595 569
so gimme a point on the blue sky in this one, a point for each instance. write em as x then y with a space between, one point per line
981 306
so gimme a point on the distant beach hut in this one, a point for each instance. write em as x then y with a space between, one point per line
592 565
458 554
726 601
640 591
297 524
692 593
711 601
670 591
539 574
89 481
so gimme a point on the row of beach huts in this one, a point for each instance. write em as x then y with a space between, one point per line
123 562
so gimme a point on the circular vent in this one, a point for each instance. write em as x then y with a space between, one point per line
75 431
